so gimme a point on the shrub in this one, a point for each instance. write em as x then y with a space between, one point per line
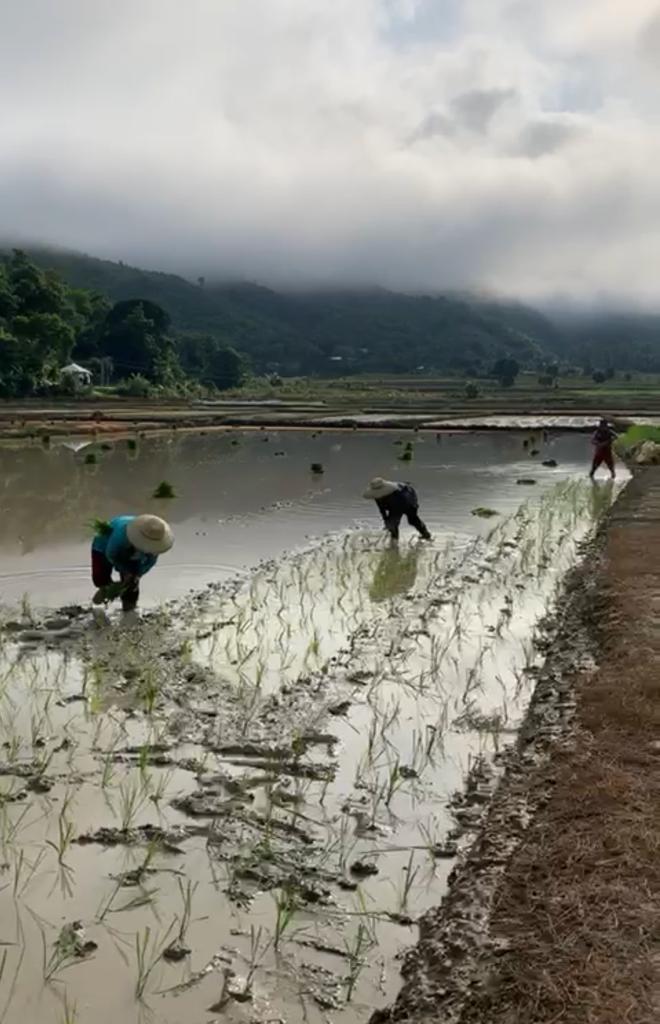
135 386
636 435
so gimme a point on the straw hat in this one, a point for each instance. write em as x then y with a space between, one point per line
150 534
379 488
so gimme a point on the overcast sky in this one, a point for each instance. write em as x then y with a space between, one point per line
511 145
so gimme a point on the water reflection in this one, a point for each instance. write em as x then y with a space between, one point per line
238 504
602 494
395 573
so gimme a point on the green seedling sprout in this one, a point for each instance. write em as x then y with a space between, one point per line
148 951
409 875
186 892
285 910
356 951
65 831
131 800
164 490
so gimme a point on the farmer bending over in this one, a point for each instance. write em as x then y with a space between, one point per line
602 440
131 546
394 501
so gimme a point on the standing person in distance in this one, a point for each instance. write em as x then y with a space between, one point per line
396 500
602 440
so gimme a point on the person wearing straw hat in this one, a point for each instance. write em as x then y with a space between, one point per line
396 500
130 546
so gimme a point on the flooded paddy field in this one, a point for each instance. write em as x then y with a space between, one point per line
236 808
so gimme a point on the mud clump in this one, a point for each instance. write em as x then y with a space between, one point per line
167 840
363 869
176 952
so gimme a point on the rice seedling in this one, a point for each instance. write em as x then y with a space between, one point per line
484 513
148 689
394 781
258 950
69 947
410 873
186 892
164 490
26 610
357 949
285 910
24 871
317 468
159 789
69 1012
131 800
65 831
148 951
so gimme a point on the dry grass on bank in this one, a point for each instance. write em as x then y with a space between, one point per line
580 904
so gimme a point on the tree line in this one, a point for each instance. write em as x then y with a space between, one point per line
148 332
46 323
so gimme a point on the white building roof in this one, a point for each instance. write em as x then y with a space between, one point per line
74 368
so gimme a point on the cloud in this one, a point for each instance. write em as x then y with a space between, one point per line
476 108
419 144
540 138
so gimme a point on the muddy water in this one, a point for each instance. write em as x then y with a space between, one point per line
265 772
242 497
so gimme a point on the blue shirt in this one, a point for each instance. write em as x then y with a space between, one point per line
119 551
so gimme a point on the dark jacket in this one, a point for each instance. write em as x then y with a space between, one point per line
398 504
604 437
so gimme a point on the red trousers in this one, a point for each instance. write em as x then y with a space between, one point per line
102 576
603 454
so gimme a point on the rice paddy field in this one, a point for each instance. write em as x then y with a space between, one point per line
235 807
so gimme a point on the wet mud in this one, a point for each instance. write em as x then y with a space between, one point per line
248 798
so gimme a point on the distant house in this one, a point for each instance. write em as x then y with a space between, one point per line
78 375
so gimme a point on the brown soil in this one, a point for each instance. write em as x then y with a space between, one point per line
580 902
555 920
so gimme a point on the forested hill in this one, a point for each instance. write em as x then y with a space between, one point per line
323 332
342 332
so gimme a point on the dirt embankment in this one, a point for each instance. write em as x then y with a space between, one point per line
120 417
553 917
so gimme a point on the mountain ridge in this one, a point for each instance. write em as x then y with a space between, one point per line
331 330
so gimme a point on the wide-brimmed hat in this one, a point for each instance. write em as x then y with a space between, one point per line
379 488
150 534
